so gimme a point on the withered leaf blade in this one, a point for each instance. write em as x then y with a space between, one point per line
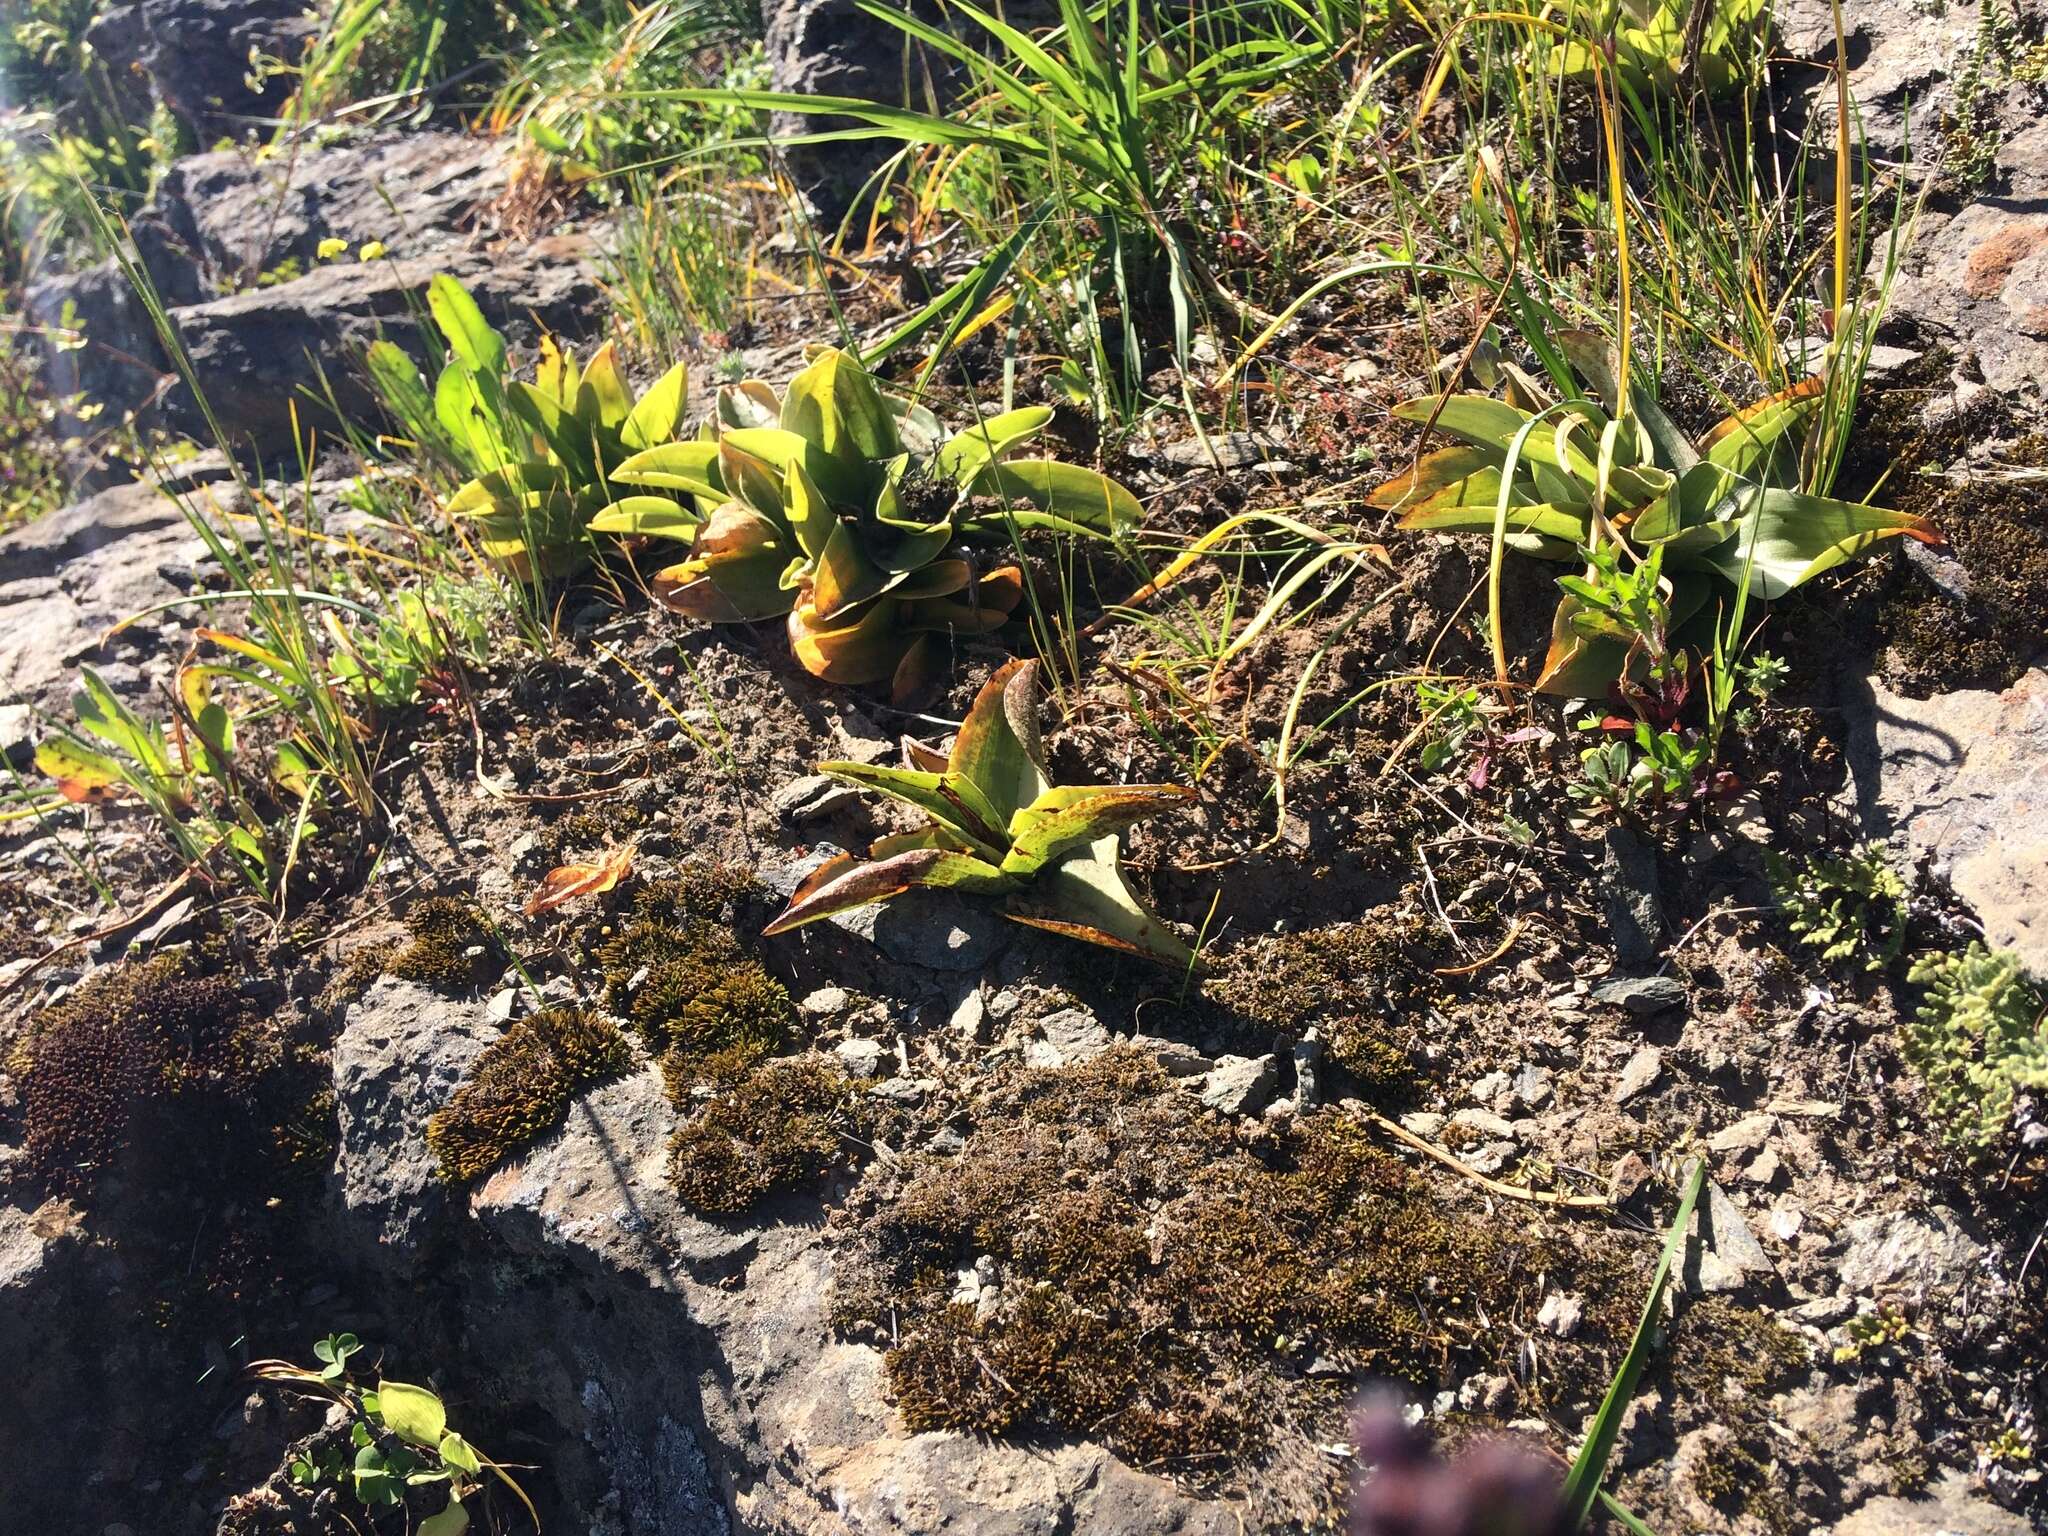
569 881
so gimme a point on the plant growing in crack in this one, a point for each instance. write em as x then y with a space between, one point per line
1000 827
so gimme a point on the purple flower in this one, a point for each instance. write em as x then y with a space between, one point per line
1498 1487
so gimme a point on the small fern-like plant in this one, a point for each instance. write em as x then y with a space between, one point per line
1978 1042
1849 908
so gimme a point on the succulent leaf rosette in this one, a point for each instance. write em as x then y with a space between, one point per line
852 514
1559 478
1000 827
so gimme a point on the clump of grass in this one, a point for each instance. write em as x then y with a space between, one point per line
521 1086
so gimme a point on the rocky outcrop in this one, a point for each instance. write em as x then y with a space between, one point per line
69 576
1962 779
577 1268
232 243
194 57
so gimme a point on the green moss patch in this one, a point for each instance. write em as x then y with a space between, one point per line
775 1128
679 974
149 1060
520 1087
451 947
1172 1283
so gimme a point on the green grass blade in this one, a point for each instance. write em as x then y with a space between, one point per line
1582 1483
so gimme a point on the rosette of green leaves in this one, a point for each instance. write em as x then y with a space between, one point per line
1554 478
1000 827
1656 43
853 514
543 453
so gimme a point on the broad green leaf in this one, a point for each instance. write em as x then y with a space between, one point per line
468 334
1488 423
452 1521
412 1413
810 515
1062 819
1084 897
648 517
403 389
852 884
515 488
734 573
966 452
990 753
1066 493
1578 667
689 467
101 713
844 484
602 398
1458 476
1568 523
1790 538
83 776
1746 441
749 403
1593 356
658 414
951 799
458 1452
843 576
835 405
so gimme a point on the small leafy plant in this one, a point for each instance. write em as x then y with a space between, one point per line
1978 1040
190 775
852 513
1557 478
542 454
1849 908
1656 45
999 827
399 1434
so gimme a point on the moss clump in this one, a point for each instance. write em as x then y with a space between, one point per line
521 1086
147 1060
678 974
777 1128
1358 983
1150 1261
451 948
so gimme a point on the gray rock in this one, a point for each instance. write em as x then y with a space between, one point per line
401 1053
1963 778
811 798
824 1003
17 736
1071 1036
860 1058
1533 1088
1240 1085
219 221
1308 1070
1641 995
1745 1135
1176 1059
1724 1255
970 1018
67 577
1927 1251
1486 1123
1224 450
1950 1507
192 58
1628 897
1639 1075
